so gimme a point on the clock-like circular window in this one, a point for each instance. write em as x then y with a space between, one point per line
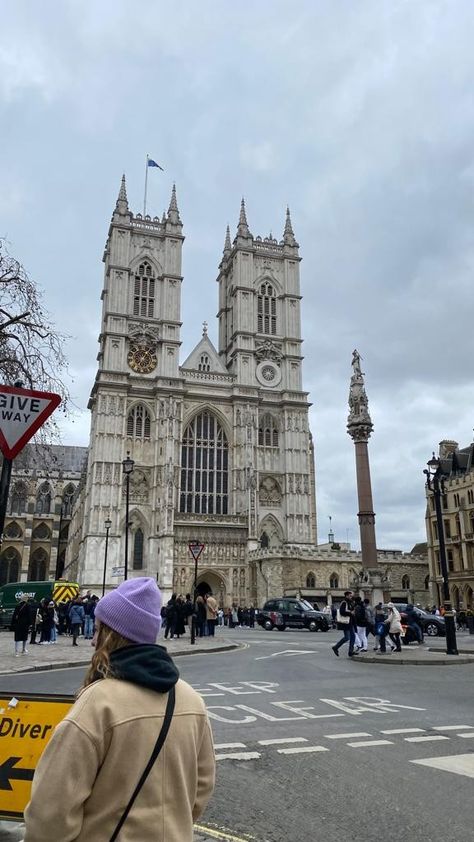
268 374
142 359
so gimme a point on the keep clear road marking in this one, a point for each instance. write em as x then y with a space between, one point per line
301 749
287 653
427 739
366 743
239 755
278 741
347 736
459 764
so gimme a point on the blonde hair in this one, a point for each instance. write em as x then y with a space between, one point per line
107 641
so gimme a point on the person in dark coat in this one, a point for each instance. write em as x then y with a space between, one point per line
33 607
201 616
180 616
171 617
20 625
47 622
345 623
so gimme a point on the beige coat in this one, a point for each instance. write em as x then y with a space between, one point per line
395 621
97 754
211 608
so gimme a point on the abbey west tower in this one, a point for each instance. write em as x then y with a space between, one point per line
222 448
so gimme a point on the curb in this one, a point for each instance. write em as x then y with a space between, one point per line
452 660
71 664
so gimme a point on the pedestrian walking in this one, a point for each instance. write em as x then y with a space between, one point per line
33 607
201 616
76 618
20 625
88 618
381 629
53 635
345 623
47 621
171 617
106 751
395 627
211 614
412 623
360 617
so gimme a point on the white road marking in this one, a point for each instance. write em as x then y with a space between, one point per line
404 731
287 653
459 764
239 755
452 727
347 736
426 739
466 736
367 743
302 750
277 741
218 746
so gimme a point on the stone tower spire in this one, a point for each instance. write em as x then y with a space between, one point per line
121 205
359 427
173 212
242 227
227 243
288 234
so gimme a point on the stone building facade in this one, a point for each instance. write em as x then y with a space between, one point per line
457 466
43 486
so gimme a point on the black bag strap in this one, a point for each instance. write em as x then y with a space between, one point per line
158 746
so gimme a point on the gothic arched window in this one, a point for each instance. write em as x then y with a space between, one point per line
13 531
266 310
204 363
310 580
268 431
406 583
41 532
38 565
68 497
43 500
138 423
144 291
9 566
204 467
138 549
334 581
427 582
19 499
264 541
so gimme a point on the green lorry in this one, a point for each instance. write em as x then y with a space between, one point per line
10 595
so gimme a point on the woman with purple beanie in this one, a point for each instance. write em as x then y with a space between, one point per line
133 759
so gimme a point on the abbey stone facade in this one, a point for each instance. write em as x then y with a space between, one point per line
221 444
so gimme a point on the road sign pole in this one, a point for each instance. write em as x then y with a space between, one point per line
4 491
195 548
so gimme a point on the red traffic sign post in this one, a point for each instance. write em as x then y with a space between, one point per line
22 413
195 548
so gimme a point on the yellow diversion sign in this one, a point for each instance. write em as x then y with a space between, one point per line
26 725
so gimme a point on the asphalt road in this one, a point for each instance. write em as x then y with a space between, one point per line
313 746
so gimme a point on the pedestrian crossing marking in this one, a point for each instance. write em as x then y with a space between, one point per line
404 731
347 736
466 736
239 755
279 741
367 743
451 727
427 739
218 746
458 764
301 749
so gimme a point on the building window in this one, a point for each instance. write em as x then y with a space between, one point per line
138 550
470 496
19 499
266 310
406 583
204 467
310 580
268 431
450 561
456 500
144 291
13 531
445 501
264 541
9 566
43 500
435 531
204 363
427 582
138 423
334 581
68 498
41 533
447 528
39 561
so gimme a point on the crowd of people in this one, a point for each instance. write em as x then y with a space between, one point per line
177 613
43 621
357 619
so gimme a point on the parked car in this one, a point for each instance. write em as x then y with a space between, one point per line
430 624
285 613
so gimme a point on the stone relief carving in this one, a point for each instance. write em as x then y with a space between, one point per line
268 350
269 492
143 334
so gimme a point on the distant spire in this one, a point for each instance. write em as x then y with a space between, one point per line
173 212
288 234
204 328
122 202
227 244
243 228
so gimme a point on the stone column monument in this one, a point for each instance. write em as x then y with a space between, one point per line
359 427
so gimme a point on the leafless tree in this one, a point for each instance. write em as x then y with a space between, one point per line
31 349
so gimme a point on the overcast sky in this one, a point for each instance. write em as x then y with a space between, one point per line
358 114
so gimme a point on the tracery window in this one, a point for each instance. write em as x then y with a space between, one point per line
334 581
68 497
138 549
406 583
43 500
266 310
19 499
144 291
138 423
13 530
268 431
310 580
204 363
204 467
9 566
38 565
41 532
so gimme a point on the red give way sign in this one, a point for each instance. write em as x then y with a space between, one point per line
22 413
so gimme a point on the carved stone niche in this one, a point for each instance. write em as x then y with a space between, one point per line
268 350
269 492
143 334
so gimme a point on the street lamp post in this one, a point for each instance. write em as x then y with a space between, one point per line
435 484
107 524
127 465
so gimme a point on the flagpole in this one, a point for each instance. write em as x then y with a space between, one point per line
146 186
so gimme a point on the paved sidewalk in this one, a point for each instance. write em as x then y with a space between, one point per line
64 654
433 653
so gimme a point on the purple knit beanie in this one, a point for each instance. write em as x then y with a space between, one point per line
133 610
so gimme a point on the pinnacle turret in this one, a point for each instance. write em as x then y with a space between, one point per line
173 212
288 234
242 227
121 205
227 243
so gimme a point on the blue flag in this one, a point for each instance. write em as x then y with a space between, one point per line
152 163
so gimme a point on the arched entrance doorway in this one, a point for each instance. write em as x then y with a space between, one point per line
210 582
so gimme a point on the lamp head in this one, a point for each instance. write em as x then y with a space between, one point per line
128 464
108 523
433 465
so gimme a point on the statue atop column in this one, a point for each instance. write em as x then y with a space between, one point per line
359 422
